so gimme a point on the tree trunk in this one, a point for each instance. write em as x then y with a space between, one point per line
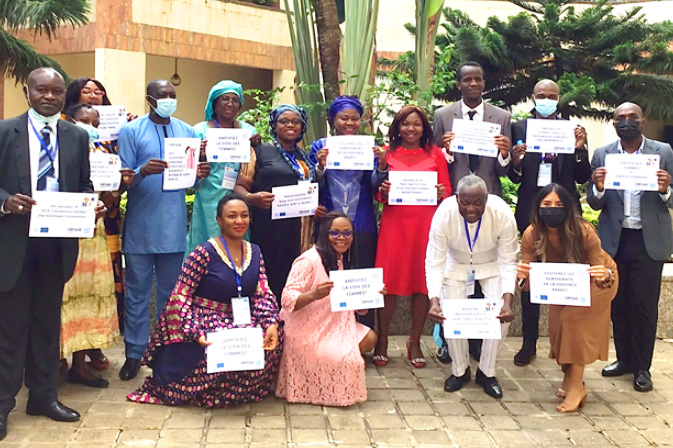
329 41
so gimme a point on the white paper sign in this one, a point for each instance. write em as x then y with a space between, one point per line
471 318
560 284
235 350
228 145
553 136
632 172
356 289
112 119
475 137
63 215
412 188
293 201
182 155
350 152
105 171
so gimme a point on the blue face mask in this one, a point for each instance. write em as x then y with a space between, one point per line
545 107
92 131
166 107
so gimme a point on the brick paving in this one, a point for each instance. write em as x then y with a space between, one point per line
406 408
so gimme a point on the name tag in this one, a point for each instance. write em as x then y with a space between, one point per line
241 309
52 184
469 284
229 178
544 175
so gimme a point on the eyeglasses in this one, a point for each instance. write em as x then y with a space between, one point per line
286 121
348 234
93 92
230 100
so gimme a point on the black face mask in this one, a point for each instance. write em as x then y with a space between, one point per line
553 216
628 129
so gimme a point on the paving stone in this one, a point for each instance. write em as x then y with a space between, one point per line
391 436
459 423
53 435
346 422
227 421
428 438
385 422
470 438
308 422
420 422
458 409
588 438
528 409
191 436
514 438
611 423
415 408
98 436
622 437
268 421
268 435
498 423
351 436
303 436
228 435
659 436
137 435
552 437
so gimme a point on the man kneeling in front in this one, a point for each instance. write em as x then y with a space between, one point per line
473 237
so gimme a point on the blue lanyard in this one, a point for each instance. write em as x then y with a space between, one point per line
472 243
44 145
239 279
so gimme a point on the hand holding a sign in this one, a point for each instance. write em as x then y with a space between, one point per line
128 175
262 199
321 156
663 180
447 138
385 189
598 178
600 273
153 166
503 143
518 153
383 291
380 154
19 204
321 291
435 311
506 314
100 209
202 150
320 211
441 190
580 138
255 140
203 342
522 271
271 338
202 170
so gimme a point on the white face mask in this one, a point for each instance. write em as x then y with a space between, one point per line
41 119
92 131
545 107
166 107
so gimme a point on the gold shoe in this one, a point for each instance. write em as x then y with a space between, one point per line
565 410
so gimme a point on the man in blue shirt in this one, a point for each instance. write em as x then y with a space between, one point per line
154 238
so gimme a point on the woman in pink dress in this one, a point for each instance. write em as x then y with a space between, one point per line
403 236
321 362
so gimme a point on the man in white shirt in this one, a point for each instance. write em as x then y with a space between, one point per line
473 237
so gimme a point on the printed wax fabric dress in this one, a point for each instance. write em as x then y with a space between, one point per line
200 304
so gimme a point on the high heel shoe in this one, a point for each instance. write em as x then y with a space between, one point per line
564 410
380 360
420 362
560 393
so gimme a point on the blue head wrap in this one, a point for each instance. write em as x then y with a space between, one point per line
217 91
345 102
273 118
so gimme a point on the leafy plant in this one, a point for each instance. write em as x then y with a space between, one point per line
258 116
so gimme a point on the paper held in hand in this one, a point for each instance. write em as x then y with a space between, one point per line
293 201
63 215
105 171
550 136
350 152
111 120
635 172
471 318
228 145
560 284
235 350
412 188
475 137
356 289
182 155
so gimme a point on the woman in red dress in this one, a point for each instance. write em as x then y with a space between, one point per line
404 229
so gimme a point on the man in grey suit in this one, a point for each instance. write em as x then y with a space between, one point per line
635 229
472 107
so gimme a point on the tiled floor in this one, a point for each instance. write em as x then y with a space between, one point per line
406 408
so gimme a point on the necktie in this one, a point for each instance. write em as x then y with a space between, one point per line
45 167
474 160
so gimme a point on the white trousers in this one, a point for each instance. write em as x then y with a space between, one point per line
458 348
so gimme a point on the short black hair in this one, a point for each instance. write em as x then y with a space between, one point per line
73 110
468 64
228 198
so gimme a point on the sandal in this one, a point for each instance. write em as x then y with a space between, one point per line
98 360
564 410
419 362
380 360
560 393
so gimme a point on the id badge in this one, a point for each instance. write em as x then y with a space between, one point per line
469 284
241 309
229 178
52 184
544 175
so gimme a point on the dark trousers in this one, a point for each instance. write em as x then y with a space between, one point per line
30 324
530 316
635 308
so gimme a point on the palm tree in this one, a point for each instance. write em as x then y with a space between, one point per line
17 57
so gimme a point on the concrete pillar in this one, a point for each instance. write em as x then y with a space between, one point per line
123 74
285 78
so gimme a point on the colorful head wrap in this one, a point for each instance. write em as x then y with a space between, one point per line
344 102
273 118
217 91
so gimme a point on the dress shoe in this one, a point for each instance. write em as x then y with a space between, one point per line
130 369
454 383
76 378
3 426
642 381
489 384
617 368
52 409
443 354
526 354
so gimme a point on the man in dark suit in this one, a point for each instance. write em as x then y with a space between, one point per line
472 107
534 171
635 229
471 84
37 152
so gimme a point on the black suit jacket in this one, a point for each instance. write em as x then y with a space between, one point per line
73 159
566 170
